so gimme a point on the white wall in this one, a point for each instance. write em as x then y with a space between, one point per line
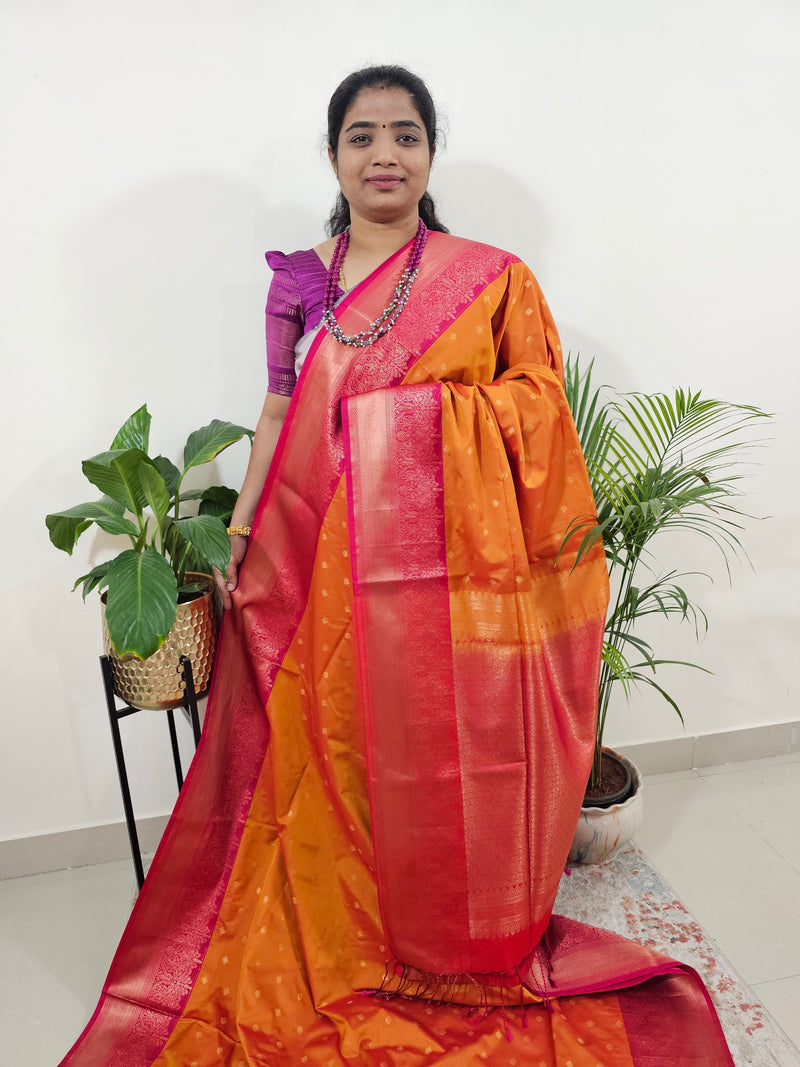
642 157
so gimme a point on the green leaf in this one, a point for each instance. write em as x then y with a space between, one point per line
654 685
656 463
142 602
169 472
208 538
94 579
66 526
193 561
116 474
135 433
155 491
220 501
189 590
671 663
618 665
204 444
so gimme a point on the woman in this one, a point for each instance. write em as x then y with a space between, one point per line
363 861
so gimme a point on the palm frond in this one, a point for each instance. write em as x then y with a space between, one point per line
656 463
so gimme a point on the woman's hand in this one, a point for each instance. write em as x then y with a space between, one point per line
266 438
227 584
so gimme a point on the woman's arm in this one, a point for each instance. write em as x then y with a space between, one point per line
266 438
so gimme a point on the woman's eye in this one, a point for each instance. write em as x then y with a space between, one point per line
408 138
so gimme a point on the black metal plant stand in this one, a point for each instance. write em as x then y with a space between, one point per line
115 714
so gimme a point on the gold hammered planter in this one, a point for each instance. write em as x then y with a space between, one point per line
157 682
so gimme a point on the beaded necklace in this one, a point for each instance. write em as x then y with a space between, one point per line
388 317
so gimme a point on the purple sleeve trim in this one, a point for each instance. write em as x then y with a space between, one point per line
284 322
294 306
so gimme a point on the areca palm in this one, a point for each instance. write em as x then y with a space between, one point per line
655 462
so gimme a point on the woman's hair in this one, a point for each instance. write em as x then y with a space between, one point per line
387 77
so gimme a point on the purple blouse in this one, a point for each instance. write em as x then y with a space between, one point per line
295 304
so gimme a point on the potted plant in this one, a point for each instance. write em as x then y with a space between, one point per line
655 463
170 556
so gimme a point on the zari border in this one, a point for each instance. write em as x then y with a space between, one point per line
402 611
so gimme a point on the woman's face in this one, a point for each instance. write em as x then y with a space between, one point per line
383 158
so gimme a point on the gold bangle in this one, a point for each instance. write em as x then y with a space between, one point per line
242 531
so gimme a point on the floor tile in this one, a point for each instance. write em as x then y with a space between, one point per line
58 933
737 886
767 799
60 890
671 776
747 765
782 1001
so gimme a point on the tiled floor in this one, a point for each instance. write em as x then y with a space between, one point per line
727 839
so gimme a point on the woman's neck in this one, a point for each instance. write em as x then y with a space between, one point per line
379 240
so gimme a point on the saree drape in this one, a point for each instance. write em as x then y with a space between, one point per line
363 860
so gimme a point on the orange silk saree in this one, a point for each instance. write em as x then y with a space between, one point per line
362 863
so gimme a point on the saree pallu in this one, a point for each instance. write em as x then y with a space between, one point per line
362 863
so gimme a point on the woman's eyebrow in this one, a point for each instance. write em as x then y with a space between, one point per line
362 125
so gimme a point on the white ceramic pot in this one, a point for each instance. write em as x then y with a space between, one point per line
603 831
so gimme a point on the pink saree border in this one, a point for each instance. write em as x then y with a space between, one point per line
395 488
164 944
574 959
455 735
684 1037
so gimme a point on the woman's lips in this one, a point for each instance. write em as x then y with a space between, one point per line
390 181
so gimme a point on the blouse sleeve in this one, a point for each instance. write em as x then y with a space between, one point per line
284 325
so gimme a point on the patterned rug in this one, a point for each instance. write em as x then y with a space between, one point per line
629 897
